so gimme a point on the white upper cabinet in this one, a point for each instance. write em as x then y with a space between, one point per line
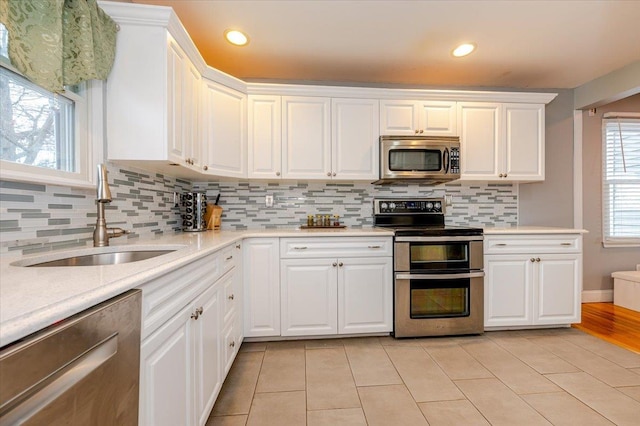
408 117
354 137
479 140
224 130
306 137
265 137
524 142
300 137
501 141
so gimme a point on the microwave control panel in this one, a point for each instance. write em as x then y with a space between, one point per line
454 161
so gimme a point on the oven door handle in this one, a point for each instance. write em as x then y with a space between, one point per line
439 276
439 239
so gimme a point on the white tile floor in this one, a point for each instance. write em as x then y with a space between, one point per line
536 377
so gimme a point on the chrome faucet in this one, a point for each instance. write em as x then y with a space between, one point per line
102 234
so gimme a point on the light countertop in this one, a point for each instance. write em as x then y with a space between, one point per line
489 230
34 298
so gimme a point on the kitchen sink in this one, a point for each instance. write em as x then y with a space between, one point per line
97 257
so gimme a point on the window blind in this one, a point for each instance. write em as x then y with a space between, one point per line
621 180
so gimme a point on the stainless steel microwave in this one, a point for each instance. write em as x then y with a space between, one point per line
423 159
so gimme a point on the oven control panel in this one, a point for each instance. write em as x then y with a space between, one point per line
413 206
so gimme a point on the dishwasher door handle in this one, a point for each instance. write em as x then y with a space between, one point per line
28 403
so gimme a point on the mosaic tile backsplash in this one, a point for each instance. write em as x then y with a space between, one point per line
37 218
243 203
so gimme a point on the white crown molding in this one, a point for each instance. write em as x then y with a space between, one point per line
385 93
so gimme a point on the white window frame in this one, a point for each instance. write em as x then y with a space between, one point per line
88 142
607 240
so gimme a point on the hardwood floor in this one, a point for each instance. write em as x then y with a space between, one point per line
612 323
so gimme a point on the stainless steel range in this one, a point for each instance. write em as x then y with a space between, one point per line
439 281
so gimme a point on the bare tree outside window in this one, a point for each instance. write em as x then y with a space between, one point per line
36 126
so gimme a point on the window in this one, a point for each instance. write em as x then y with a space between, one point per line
44 136
621 179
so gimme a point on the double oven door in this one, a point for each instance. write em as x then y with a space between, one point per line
439 286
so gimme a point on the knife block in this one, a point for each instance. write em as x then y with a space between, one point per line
214 217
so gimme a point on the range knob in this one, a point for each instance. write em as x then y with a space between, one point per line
429 206
392 206
438 206
383 206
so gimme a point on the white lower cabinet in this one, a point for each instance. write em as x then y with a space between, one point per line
190 338
322 295
261 260
308 291
532 280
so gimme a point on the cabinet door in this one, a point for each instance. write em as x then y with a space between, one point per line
265 137
166 388
479 126
306 138
365 295
524 142
399 117
224 130
438 118
508 290
261 260
354 135
309 296
558 289
207 340
191 121
175 97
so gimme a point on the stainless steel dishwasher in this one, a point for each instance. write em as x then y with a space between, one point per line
83 370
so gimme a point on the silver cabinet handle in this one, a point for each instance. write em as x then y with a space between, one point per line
566 244
231 297
501 244
375 247
438 276
300 248
229 258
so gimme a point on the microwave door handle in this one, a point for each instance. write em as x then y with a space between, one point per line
445 160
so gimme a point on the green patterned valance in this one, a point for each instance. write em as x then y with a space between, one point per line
59 42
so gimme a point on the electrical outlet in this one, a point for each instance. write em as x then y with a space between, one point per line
268 200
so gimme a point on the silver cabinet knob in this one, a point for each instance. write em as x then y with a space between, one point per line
231 297
200 310
333 174
195 316
205 168
329 174
501 175
277 173
238 246
417 131
340 264
232 344
537 259
334 264
532 259
505 175
421 131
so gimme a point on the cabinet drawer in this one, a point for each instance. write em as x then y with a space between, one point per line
230 299
228 258
335 247
164 297
230 346
527 244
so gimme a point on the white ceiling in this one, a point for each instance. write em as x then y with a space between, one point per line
522 44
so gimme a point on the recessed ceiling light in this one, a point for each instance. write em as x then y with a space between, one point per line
236 37
463 50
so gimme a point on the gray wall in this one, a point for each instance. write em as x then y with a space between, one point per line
550 203
600 262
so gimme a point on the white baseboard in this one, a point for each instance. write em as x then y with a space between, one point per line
593 296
